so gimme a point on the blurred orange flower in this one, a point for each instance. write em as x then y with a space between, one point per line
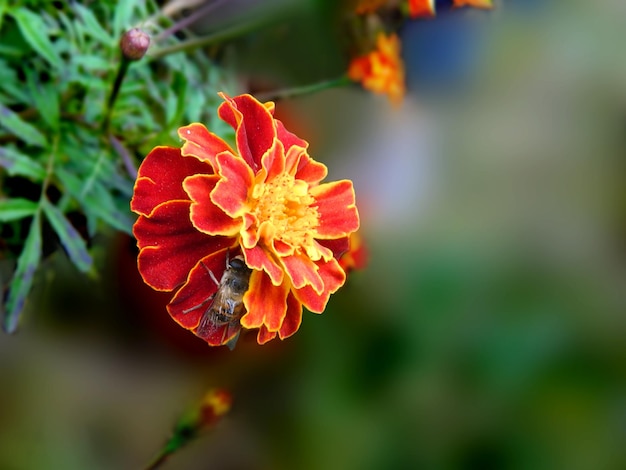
421 8
263 204
382 70
487 4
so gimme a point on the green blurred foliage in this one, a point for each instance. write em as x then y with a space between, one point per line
69 149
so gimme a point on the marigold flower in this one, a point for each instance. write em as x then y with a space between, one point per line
421 8
382 70
265 201
485 4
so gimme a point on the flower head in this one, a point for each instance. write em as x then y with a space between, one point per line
485 4
134 43
421 8
264 200
382 70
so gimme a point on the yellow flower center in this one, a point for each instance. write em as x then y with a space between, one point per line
286 204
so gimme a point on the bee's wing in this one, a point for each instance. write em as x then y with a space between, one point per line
209 322
231 343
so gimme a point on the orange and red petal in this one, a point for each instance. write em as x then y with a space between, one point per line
359 68
259 258
337 246
302 167
287 138
266 304
338 215
205 215
201 143
421 8
293 318
160 178
194 297
231 191
273 162
487 4
333 276
303 272
264 335
254 126
170 245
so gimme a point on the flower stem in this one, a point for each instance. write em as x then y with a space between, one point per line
189 20
203 417
303 90
205 40
119 78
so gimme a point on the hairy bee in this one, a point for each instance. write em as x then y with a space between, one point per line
226 304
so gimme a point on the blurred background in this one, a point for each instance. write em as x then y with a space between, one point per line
487 330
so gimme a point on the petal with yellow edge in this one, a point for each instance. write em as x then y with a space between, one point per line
336 206
202 144
266 304
205 215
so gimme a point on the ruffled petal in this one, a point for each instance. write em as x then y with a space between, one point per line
293 318
231 191
264 335
194 297
302 272
201 143
302 167
170 245
337 246
249 234
421 8
333 276
258 258
266 304
205 215
191 303
273 162
253 124
160 178
287 138
338 215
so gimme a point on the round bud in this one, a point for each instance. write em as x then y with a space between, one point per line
134 44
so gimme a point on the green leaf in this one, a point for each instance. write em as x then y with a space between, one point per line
45 98
21 129
71 240
34 30
17 208
179 89
3 9
92 63
22 281
97 202
18 164
123 17
93 27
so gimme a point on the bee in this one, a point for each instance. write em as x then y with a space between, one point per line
226 304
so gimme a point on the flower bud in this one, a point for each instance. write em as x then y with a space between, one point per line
134 44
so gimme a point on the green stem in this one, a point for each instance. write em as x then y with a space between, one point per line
201 12
117 85
181 437
214 38
303 90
